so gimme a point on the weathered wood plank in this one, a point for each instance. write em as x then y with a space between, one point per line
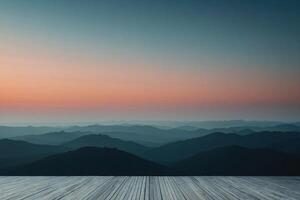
149 188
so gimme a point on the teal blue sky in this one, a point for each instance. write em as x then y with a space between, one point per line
263 33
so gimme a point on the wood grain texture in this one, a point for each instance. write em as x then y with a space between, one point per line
150 188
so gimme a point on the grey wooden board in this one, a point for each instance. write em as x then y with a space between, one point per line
150 188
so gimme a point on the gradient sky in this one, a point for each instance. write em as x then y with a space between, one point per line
95 60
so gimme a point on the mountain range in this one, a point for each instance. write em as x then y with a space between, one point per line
90 153
89 161
187 148
147 135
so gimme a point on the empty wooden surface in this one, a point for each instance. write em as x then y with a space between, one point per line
150 188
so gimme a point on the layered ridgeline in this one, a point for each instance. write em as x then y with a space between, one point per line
287 142
14 152
143 134
257 153
52 138
81 139
106 141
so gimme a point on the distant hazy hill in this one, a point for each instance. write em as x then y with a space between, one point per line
142 133
245 130
283 128
53 138
16 152
146 135
236 160
183 149
10 131
106 141
228 123
89 161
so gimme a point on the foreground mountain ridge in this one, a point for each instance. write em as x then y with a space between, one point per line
89 161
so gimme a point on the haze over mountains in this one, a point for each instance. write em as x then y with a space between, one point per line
143 134
149 150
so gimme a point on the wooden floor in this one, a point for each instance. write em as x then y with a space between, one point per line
155 188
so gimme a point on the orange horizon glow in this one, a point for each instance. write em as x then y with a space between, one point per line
38 79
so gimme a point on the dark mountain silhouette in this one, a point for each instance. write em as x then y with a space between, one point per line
106 141
89 161
228 160
16 152
53 138
236 160
183 149
291 146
